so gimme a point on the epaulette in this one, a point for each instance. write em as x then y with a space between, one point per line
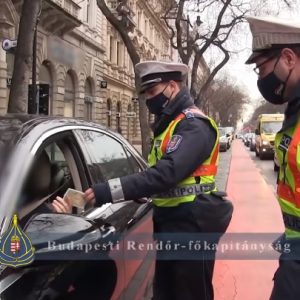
188 114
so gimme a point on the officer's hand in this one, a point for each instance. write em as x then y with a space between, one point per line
89 196
61 205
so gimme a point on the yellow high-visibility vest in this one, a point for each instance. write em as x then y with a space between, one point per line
287 147
206 171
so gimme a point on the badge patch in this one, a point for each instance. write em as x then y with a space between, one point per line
157 143
284 143
174 143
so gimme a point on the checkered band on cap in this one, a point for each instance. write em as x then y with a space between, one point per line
263 41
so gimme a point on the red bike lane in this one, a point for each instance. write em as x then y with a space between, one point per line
255 211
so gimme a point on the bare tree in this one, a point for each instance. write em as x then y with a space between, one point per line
264 108
121 25
226 100
199 26
221 18
23 58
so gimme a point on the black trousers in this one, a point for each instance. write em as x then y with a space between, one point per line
188 279
286 280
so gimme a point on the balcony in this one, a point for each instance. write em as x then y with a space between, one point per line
58 16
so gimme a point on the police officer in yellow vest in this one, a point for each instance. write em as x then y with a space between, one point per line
181 178
276 53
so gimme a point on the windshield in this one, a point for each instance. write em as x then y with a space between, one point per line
270 127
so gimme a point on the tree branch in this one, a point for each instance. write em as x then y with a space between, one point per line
212 75
179 31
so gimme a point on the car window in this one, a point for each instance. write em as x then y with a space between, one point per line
108 154
135 165
48 177
57 159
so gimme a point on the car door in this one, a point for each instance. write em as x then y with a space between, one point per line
28 283
108 157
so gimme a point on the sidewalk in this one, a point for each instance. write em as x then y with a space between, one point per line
255 211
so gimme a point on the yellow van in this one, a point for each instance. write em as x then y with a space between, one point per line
267 127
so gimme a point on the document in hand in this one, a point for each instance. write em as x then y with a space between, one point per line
76 198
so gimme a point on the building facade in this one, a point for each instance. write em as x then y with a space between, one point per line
83 68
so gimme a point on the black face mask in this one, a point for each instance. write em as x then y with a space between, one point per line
157 103
272 88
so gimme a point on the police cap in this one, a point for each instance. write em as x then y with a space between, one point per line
151 73
271 33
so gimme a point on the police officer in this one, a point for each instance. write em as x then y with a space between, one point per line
183 164
276 53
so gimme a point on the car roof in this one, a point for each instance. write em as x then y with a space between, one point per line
15 126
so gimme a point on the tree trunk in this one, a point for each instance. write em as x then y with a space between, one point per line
18 97
135 58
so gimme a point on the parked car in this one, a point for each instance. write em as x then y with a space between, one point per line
230 134
223 140
81 154
247 139
252 142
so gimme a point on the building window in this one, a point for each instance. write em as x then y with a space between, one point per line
118 53
139 19
146 28
119 128
69 97
151 33
87 12
88 101
111 48
129 122
108 113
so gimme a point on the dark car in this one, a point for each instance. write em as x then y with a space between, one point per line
80 154
252 142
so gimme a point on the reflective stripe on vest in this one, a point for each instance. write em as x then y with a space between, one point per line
185 190
206 171
288 189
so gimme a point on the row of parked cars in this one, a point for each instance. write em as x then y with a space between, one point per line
226 138
250 140
262 141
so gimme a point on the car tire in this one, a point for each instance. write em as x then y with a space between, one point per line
261 155
276 168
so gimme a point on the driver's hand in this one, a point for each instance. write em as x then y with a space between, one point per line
89 196
62 206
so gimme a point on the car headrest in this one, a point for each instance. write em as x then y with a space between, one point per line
57 176
39 179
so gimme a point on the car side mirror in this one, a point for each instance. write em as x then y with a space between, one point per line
256 131
52 235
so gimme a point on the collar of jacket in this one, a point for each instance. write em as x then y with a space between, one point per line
181 102
292 112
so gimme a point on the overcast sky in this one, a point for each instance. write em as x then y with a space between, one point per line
244 74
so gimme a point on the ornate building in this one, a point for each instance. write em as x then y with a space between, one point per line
83 68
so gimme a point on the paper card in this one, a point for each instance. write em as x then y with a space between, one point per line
76 198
